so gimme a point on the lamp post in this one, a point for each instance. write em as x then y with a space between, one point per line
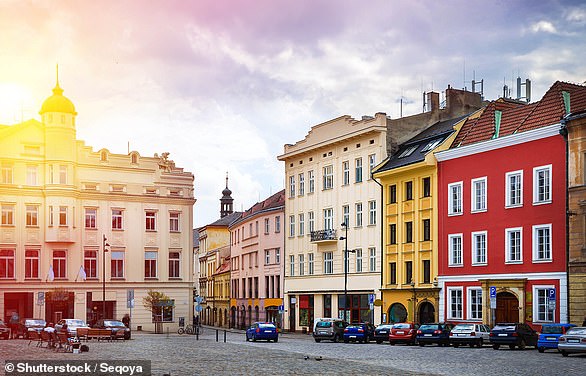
345 239
414 300
104 245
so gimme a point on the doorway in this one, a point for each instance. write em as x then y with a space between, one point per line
397 313
426 313
507 308
292 314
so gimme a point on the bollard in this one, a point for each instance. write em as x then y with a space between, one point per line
224 336
217 333
167 332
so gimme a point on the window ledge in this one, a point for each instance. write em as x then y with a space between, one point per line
541 261
478 211
117 279
513 262
455 214
151 278
513 206
536 203
455 265
480 264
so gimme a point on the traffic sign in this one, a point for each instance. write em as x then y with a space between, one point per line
198 308
492 303
198 299
281 307
493 292
371 298
551 295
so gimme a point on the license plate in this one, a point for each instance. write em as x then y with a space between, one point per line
427 335
503 335
400 332
573 341
383 332
462 335
268 331
352 336
550 338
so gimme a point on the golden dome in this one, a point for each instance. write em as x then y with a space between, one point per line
58 103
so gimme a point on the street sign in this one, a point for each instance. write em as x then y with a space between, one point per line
130 298
492 303
371 298
281 308
41 298
198 308
493 292
551 295
198 299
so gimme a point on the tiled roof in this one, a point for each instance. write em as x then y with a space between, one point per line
518 117
227 220
274 201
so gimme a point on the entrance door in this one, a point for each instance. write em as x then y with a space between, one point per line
426 313
292 314
507 308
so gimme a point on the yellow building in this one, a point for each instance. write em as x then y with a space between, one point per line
409 179
62 203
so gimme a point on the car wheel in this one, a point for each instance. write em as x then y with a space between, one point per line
522 345
456 345
565 353
512 347
541 349
317 340
421 344
345 341
480 343
379 341
496 347
471 344
392 343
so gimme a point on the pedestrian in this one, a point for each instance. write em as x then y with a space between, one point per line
126 320
584 322
13 324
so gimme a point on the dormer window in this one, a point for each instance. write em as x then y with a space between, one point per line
134 158
103 156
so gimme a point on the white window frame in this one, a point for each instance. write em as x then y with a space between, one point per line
150 217
174 221
372 259
372 213
7 174
117 256
32 215
479 205
278 224
90 218
371 164
63 174
301 260
292 265
267 226
311 178
536 229
311 221
267 257
292 186
358 170
469 306
346 214
149 259
346 173
174 264
508 198
455 204
310 264
452 261
474 247
63 217
301 184
118 217
32 178
328 262
7 215
359 260
453 315
549 313
328 178
508 259
358 207
301 224
328 219
291 226
548 198
277 255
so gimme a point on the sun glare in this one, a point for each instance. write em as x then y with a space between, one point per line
15 103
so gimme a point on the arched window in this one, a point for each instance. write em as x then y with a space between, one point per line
134 158
103 156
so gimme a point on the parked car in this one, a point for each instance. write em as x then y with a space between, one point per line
116 326
329 329
574 341
262 330
514 335
470 334
29 324
434 333
4 330
550 335
381 333
72 325
362 332
403 333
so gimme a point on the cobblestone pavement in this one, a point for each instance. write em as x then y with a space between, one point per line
184 355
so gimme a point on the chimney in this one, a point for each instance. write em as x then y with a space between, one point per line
433 102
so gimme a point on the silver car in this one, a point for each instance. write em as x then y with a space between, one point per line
574 341
470 334
72 325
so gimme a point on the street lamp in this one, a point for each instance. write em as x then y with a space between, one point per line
104 245
345 239
414 299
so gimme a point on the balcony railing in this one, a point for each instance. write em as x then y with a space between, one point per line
323 235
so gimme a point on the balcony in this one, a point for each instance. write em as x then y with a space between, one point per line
323 236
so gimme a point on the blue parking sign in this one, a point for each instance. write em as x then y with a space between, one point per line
493 291
551 295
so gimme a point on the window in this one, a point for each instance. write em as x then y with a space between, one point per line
7 215
328 262
301 184
455 303
426 229
371 162
455 198
301 264
267 226
372 213
372 259
346 214
150 220
117 264
310 266
63 216
408 190
311 221
392 194
90 217
358 170
393 273
455 250
346 173
267 257
407 152
479 194
150 264
358 214
50 215
328 177
291 225
174 264
542 185
6 263
277 255
277 224
479 248
426 271
90 263
292 186
134 158
513 247
542 242
408 232
292 265
31 175
543 311
32 213
427 187
311 178
475 304
116 219
393 233
60 264
62 174
359 260
174 221
31 264
6 174
408 272
431 144
328 219
301 224
514 188
164 313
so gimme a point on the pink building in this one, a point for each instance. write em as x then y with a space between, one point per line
257 240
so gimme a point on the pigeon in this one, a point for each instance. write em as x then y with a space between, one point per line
318 358
306 357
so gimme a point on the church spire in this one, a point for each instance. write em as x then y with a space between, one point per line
226 202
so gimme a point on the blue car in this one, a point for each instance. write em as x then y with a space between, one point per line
362 332
434 333
550 335
262 330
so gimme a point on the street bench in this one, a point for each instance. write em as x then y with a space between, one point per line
99 334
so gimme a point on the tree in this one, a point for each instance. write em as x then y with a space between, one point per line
154 302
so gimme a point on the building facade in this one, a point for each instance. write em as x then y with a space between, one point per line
87 234
257 241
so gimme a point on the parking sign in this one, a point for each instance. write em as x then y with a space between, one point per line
551 295
493 291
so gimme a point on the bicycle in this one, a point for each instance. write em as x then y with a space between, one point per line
190 329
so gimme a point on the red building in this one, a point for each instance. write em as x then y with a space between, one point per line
502 213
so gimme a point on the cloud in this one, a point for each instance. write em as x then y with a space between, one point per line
543 27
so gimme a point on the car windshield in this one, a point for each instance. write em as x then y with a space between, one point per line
324 324
384 327
35 322
266 326
113 323
75 323
504 327
429 327
577 331
464 327
402 326
354 327
552 329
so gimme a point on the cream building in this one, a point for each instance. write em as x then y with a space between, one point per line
62 201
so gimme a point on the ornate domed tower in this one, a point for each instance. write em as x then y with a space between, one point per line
226 202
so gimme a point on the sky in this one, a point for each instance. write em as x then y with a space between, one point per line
223 85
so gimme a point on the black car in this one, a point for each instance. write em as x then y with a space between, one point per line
381 333
4 330
29 324
119 330
434 333
513 335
